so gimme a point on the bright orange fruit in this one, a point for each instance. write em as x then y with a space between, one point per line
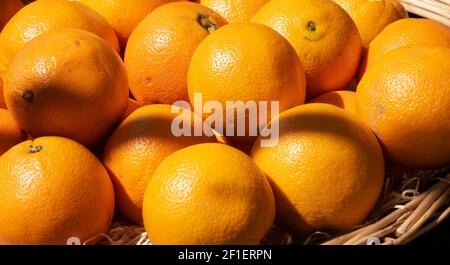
68 83
410 31
159 51
235 11
43 16
246 62
208 194
51 189
132 106
342 98
371 17
125 15
136 148
2 100
405 98
10 133
327 170
325 37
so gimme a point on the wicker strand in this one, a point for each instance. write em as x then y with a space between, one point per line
437 10
431 197
425 217
406 220
366 231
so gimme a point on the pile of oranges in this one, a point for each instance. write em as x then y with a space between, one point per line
86 115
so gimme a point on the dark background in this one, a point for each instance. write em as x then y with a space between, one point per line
438 236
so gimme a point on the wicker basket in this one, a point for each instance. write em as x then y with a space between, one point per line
413 202
438 10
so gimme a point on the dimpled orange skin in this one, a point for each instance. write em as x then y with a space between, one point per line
247 62
410 31
404 97
43 16
136 148
323 34
124 15
52 189
68 83
160 49
208 194
10 133
235 11
342 99
371 17
9 8
327 170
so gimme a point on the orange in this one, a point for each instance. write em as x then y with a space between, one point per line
43 16
10 133
9 8
324 36
235 11
327 170
132 106
371 17
405 98
208 194
2 100
410 31
68 83
160 49
342 98
136 148
244 147
52 189
125 15
246 62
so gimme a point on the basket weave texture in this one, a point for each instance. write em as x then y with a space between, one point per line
411 205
